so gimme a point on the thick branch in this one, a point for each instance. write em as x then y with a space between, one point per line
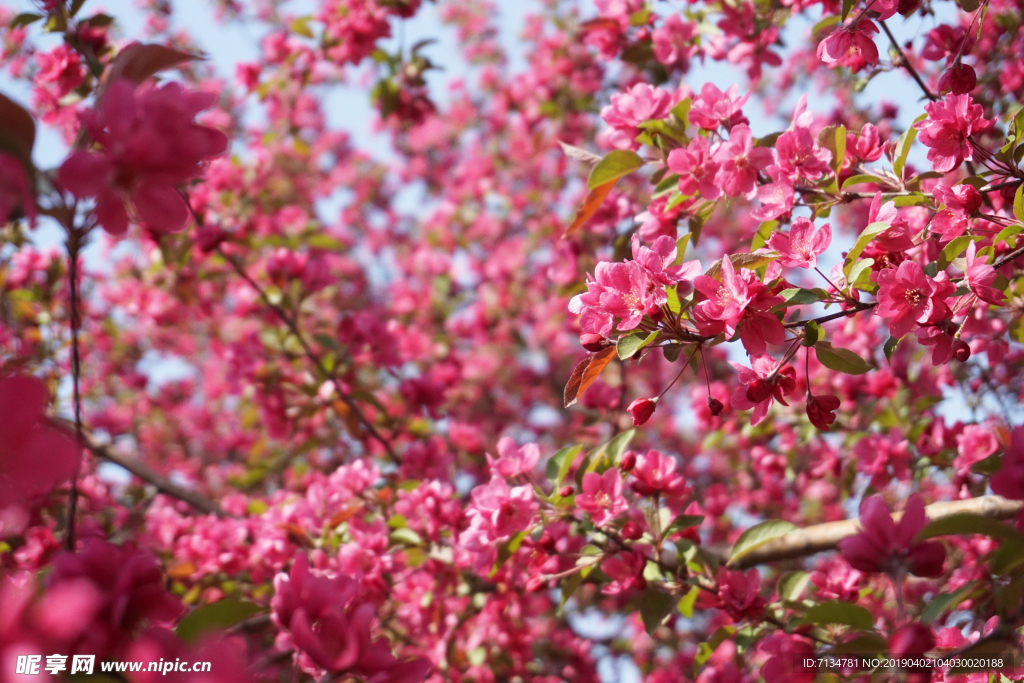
822 537
150 476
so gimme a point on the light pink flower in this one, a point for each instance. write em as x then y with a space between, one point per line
621 290
948 128
908 297
802 246
602 496
776 197
974 444
629 109
625 570
713 108
658 261
674 41
696 168
506 511
851 47
512 459
897 237
885 546
868 146
149 145
739 162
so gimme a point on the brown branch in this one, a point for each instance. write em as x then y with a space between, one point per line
822 537
906 63
150 476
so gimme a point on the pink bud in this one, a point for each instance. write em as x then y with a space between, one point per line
961 351
959 79
593 342
631 531
566 491
628 462
535 583
642 409
715 406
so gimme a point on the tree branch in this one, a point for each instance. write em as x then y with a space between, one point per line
822 537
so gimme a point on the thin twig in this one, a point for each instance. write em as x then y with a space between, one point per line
73 249
906 63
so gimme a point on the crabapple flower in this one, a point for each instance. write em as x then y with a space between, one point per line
674 41
787 663
61 66
15 190
602 496
980 277
867 146
738 594
641 410
696 169
504 511
1009 481
35 455
331 627
958 79
513 460
799 155
625 569
741 301
621 290
958 202
898 236
908 297
801 247
974 445
629 109
947 130
851 47
713 108
655 474
759 389
821 410
739 161
658 262
776 197
912 641
885 546
946 42
149 145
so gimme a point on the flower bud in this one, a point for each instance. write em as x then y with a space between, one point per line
907 7
715 406
959 79
628 462
641 583
593 342
631 531
535 584
642 409
546 542
566 491
961 351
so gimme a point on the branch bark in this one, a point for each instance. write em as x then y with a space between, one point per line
822 537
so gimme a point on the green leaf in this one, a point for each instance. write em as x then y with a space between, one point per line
792 584
903 146
630 345
812 333
507 550
681 245
682 110
945 602
847 6
863 240
839 612
683 522
916 199
890 347
833 138
673 297
617 446
406 536
24 19
758 535
798 297
1008 232
560 463
1018 204
861 179
956 246
217 616
968 523
861 268
764 231
568 586
748 261
615 164
655 608
840 360
687 602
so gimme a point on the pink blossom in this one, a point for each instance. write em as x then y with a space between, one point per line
674 41
801 247
738 593
837 580
655 474
959 202
602 496
898 236
739 161
713 108
621 290
884 457
868 146
758 389
945 42
629 109
787 663
974 444
908 297
776 197
852 47
35 455
658 262
738 301
625 570
885 546
947 130
696 169
821 410
980 277
513 460
642 409
15 190
505 511
1009 480
149 145
799 155
61 66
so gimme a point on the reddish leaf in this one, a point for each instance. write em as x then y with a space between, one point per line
585 372
17 129
590 206
139 61
600 24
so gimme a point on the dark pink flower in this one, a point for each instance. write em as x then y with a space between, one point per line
958 203
800 156
35 455
1009 480
625 569
852 47
868 146
759 389
885 546
958 79
738 594
908 297
945 42
789 652
602 497
655 474
739 161
821 410
912 642
740 301
61 66
980 277
641 410
947 130
149 145
713 108
898 236
696 169
513 460
801 247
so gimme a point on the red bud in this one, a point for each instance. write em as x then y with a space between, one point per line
961 351
566 491
715 406
631 531
628 462
593 342
642 409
